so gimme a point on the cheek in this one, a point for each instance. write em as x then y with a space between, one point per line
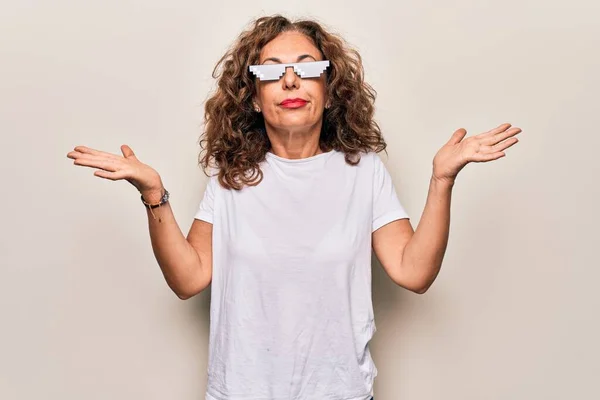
268 95
317 92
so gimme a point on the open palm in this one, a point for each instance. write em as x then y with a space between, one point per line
487 146
116 167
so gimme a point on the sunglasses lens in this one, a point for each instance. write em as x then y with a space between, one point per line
268 72
310 69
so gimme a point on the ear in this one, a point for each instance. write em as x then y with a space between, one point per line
255 105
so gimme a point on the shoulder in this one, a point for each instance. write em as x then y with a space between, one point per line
364 168
367 164
213 180
370 160
376 161
364 157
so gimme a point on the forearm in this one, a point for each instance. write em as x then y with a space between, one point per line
425 251
178 260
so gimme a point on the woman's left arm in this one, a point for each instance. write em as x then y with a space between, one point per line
413 259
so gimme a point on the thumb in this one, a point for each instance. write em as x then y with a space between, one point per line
457 136
127 152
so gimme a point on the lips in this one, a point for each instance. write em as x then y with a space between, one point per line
296 102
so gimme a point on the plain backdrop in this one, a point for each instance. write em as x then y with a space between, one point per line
85 311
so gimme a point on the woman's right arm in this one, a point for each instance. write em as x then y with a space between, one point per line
186 263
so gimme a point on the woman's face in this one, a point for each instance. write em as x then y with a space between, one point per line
291 47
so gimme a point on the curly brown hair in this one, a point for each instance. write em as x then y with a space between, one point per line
234 138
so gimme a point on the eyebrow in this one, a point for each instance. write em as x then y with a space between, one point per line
277 60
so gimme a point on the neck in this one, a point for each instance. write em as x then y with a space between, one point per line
295 143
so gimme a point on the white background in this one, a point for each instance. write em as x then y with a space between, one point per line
86 313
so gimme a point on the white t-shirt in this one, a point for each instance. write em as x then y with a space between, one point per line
291 313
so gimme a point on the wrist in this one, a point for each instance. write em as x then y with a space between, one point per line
442 182
153 196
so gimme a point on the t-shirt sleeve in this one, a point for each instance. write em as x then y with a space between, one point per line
205 210
386 205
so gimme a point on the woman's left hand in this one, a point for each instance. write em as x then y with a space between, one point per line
457 153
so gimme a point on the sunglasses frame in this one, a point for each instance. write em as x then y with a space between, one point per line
274 72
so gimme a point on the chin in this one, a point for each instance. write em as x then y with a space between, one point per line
296 124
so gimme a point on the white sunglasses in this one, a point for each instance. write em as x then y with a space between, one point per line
273 72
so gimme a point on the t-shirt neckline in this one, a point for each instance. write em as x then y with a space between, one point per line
299 160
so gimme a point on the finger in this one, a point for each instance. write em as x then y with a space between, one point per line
92 157
509 133
485 157
97 162
498 138
485 149
504 145
497 130
457 136
113 176
87 150
127 151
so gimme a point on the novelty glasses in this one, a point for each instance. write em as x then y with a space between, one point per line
272 72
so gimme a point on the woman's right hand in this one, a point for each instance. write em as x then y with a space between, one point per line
115 167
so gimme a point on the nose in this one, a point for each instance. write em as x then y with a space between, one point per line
290 79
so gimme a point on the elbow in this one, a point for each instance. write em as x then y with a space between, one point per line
183 296
417 287
424 287
414 285
190 287
182 292
188 293
421 290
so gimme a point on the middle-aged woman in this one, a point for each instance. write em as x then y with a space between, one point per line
297 199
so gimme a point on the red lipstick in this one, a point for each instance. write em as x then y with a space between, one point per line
293 103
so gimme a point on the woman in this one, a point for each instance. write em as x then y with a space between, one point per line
297 200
